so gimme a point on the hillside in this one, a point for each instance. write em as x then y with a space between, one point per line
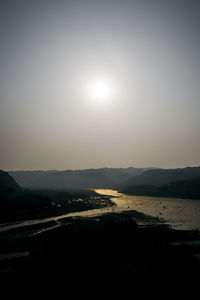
17 203
7 183
70 179
157 177
13 197
189 189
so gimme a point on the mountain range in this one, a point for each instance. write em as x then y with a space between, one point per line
157 177
183 183
119 178
75 179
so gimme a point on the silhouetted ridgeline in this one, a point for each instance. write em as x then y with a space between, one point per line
183 183
13 197
159 177
7 183
124 178
179 183
69 179
17 203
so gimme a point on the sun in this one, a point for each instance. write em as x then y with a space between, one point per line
100 90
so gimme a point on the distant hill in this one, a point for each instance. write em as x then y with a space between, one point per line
159 177
7 183
70 179
189 189
13 197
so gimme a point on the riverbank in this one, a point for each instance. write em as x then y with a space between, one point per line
57 203
110 249
182 189
180 214
112 246
177 213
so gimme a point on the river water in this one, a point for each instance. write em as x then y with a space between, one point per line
182 214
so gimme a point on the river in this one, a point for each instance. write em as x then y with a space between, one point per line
182 214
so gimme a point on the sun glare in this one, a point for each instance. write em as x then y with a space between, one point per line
100 90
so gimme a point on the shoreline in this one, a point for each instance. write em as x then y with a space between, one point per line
109 247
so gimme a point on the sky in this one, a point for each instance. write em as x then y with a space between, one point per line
108 83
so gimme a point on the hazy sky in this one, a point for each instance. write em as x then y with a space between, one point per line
146 53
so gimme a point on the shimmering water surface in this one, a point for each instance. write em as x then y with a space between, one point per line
179 213
183 214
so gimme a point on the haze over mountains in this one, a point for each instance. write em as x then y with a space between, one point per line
39 189
90 178
15 198
159 177
183 182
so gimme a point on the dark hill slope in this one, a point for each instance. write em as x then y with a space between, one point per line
159 177
7 183
14 198
183 188
70 179
188 189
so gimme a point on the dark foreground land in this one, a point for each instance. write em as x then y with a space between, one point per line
29 205
109 250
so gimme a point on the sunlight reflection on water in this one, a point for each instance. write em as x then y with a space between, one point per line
182 214
179 213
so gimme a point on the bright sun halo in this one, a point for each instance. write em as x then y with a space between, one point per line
100 90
